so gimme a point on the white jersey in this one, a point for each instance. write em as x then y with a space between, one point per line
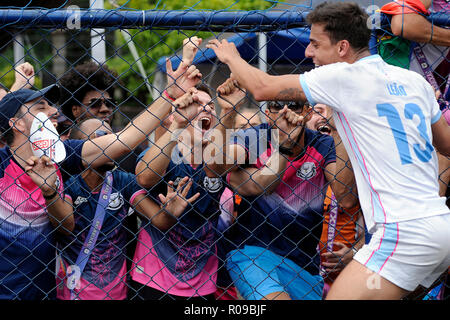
384 115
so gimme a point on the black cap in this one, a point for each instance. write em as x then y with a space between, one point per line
12 102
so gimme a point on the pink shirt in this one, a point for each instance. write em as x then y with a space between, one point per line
85 290
148 269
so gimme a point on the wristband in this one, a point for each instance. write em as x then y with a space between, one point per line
168 96
50 197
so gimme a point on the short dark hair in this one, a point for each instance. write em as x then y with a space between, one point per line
85 77
203 87
343 21
77 133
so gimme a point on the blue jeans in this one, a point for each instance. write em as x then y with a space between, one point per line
257 272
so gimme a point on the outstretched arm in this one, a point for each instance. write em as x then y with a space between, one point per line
260 84
154 163
179 81
230 98
187 75
172 206
255 181
416 27
98 151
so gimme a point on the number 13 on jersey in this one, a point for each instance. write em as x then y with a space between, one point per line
398 130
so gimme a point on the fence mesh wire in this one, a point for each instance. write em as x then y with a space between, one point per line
111 64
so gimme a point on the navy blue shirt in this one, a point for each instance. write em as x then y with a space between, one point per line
109 251
289 220
186 247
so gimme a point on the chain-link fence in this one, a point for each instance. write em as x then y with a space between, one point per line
146 203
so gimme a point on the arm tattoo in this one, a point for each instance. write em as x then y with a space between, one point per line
290 94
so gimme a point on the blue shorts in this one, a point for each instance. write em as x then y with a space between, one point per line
257 272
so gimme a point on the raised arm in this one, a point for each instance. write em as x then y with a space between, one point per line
340 175
60 211
154 163
256 181
230 99
187 75
414 26
98 151
103 149
171 207
260 84
24 77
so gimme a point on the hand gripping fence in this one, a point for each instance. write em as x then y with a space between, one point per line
173 226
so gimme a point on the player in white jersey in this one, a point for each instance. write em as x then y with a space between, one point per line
389 121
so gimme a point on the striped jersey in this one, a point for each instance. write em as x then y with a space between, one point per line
287 221
27 242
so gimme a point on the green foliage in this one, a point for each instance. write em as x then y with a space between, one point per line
154 44
6 69
192 4
7 73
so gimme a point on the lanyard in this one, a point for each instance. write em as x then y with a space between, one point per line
89 243
428 73
332 222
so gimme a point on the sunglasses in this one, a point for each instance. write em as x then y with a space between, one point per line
97 103
276 106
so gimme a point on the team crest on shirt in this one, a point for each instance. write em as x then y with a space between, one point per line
79 200
115 201
213 185
307 171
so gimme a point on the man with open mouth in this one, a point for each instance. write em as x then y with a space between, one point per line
176 254
280 215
